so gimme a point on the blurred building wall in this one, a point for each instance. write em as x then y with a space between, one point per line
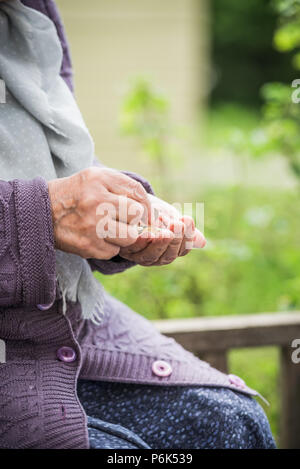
113 41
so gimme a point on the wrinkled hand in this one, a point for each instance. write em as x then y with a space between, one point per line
175 236
96 211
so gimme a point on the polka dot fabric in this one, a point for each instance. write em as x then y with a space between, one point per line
122 415
103 435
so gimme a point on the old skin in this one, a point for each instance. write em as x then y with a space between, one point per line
74 202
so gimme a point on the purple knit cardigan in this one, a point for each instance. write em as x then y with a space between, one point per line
46 351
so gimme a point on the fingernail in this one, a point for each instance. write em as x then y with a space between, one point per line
203 244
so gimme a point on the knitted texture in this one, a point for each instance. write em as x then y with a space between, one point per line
27 267
36 259
126 345
39 407
38 403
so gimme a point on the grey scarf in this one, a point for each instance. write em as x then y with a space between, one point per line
42 132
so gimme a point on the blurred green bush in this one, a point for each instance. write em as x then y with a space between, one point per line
251 263
243 55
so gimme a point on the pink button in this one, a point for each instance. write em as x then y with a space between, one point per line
161 368
66 354
45 307
236 381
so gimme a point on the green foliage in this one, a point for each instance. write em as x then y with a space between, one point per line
287 35
242 50
145 117
251 263
233 127
144 113
260 368
281 124
279 130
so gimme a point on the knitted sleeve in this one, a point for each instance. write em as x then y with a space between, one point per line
27 254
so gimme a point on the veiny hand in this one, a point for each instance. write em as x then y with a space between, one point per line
95 212
175 237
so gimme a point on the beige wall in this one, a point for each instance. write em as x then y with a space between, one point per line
115 40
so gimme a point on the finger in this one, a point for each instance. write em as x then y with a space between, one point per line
143 240
164 221
199 240
138 246
173 249
141 243
189 233
121 184
105 252
117 233
121 208
109 251
186 247
154 250
164 208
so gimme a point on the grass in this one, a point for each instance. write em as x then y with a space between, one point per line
260 368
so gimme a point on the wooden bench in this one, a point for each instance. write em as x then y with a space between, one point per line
211 338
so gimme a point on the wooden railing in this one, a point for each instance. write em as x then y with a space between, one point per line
211 338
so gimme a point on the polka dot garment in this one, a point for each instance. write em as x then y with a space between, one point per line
127 416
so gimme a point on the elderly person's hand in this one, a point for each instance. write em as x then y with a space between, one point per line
96 211
175 237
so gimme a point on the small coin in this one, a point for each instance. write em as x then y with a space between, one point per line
149 229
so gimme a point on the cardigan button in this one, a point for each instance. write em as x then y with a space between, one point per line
161 368
66 354
45 307
237 381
